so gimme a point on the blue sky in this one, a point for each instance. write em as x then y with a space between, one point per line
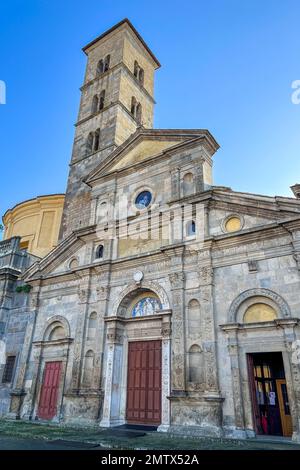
227 65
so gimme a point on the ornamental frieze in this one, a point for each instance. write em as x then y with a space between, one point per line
102 292
34 301
205 275
166 331
114 336
297 259
260 292
83 294
177 280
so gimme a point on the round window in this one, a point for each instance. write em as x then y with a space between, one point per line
143 199
233 224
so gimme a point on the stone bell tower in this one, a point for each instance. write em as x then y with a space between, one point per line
116 98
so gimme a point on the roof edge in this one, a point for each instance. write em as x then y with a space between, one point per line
116 26
31 200
142 132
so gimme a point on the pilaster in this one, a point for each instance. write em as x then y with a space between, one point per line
209 336
19 392
113 375
83 293
177 282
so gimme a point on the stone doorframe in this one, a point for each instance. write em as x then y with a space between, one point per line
49 351
120 331
267 337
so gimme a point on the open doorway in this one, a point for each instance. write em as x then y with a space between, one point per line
270 402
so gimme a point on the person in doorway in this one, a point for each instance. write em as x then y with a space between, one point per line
264 423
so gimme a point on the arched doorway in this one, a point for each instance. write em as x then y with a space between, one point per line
261 326
138 361
52 354
143 401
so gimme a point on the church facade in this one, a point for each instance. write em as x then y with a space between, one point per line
169 301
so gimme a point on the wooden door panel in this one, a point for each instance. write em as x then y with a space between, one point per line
144 382
285 414
49 392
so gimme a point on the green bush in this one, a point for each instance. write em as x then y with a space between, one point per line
26 288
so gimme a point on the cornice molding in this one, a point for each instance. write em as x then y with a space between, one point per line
121 65
280 322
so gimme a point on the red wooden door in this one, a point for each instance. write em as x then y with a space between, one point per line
48 398
144 383
255 410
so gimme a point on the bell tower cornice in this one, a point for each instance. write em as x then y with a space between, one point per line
124 23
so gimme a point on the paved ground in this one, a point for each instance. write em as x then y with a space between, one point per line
15 443
23 435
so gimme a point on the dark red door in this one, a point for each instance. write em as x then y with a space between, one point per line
144 382
49 393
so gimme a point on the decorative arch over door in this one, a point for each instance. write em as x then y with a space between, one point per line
54 322
131 292
257 295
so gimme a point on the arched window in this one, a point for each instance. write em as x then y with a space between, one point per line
136 69
133 106
89 143
102 100
188 184
57 332
141 76
102 212
195 357
95 104
99 252
92 326
96 140
73 263
138 72
88 371
106 62
191 229
259 312
139 113
194 318
100 67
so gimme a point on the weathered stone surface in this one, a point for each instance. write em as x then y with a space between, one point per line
80 309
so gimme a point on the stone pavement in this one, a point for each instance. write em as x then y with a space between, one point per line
24 435
16 443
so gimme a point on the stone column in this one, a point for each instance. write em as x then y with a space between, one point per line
232 336
113 376
166 375
206 221
83 299
292 344
199 183
102 299
93 213
209 339
19 393
178 323
175 183
296 247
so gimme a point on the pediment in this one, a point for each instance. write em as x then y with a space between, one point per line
142 151
58 260
146 144
254 211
